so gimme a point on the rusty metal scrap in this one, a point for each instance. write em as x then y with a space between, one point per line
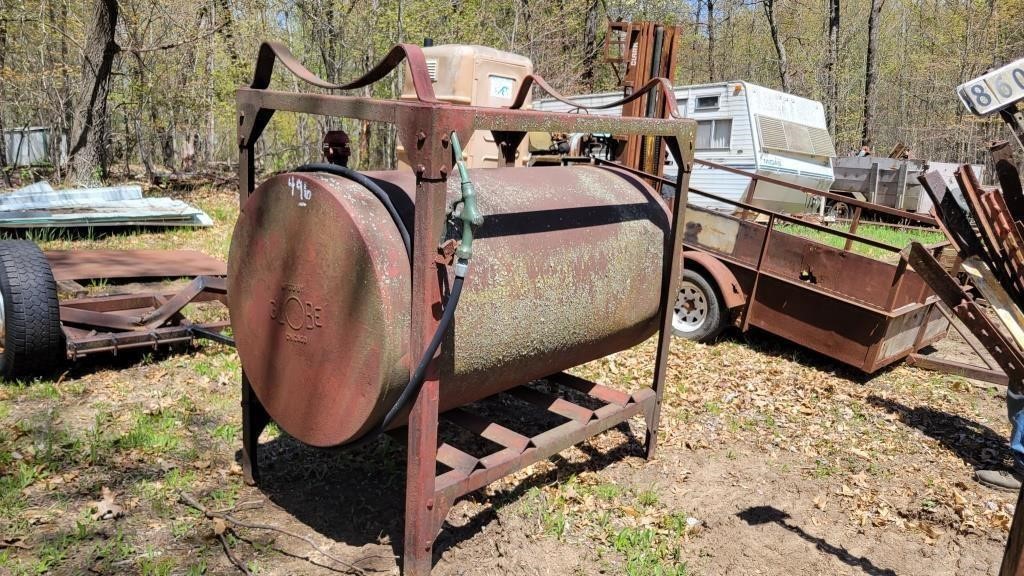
142 320
92 264
1005 353
985 227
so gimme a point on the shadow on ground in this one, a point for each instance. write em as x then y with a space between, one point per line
357 496
976 444
758 515
778 347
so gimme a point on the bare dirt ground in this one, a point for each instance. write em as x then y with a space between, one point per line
772 460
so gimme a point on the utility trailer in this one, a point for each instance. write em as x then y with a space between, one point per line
39 331
744 271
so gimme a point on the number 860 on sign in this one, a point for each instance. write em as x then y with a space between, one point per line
995 90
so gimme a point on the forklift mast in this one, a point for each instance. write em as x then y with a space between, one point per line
641 51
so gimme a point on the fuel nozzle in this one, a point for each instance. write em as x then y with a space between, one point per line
470 214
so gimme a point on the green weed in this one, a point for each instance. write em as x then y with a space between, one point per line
607 491
646 555
227 432
152 432
647 498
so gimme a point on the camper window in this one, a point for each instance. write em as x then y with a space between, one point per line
707 103
714 134
681 106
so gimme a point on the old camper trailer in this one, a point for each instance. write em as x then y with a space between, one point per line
749 127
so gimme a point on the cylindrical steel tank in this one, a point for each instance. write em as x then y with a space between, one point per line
567 268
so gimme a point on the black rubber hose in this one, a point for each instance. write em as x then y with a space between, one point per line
373 187
412 388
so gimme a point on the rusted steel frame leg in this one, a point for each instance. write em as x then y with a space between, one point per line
254 420
853 227
424 512
757 272
671 271
254 415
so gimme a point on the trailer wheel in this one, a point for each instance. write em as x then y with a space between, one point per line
699 312
31 339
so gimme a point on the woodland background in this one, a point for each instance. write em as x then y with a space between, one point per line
145 87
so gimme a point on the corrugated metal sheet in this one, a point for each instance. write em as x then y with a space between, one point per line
41 195
40 206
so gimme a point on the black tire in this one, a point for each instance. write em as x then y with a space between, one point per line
699 311
30 333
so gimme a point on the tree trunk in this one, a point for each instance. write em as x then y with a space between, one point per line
3 63
712 72
62 115
590 46
780 49
871 69
90 126
228 32
832 67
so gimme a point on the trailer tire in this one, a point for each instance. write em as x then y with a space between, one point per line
699 313
30 332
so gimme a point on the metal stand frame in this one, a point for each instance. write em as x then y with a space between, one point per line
108 324
424 126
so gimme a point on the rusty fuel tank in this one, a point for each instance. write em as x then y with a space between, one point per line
567 268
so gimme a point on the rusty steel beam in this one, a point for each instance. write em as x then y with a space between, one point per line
186 296
1009 177
82 343
958 369
132 301
450 486
995 256
492 431
121 312
108 320
953 219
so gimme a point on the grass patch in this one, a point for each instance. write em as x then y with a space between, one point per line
647 498
152 432
642 539
227 432
607 492
898 237
648 555
12 499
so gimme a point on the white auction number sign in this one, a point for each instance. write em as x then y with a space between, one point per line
995 90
